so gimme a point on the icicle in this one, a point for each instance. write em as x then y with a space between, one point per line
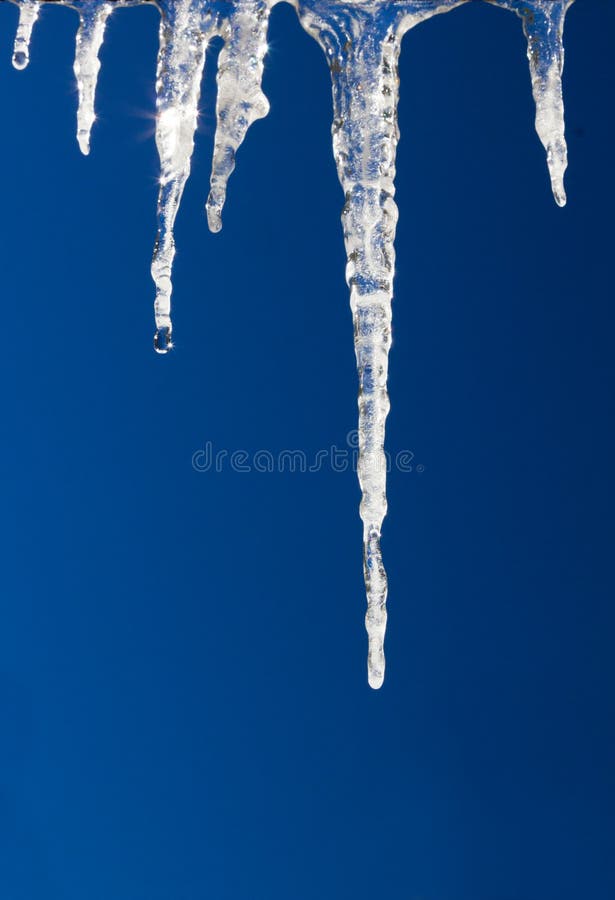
185 30
28 14
241 100
361 39
543 24
362 47
362 51
93 17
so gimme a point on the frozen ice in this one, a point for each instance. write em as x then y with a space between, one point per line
361 40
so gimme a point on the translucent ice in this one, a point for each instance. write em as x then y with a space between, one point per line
543 24
240 97
185 28
93 17
361 41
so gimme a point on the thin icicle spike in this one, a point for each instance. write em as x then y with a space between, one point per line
185 30
28 14
93 17
361 40
362 51
241 100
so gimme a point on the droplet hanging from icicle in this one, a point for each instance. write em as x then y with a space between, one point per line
186 28
28 14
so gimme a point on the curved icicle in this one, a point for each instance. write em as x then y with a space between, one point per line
28 14
185 30
90 35
241 100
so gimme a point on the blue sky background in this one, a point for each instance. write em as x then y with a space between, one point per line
183 694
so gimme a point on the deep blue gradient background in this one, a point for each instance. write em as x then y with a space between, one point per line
184 704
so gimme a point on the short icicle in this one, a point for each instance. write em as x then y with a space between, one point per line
93 17
28 14
544 27
543 24
185 29
241 100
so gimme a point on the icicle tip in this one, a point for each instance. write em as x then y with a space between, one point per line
213 209
560 197
376 615
83 139
559 191
375 678
557 161
376 626
28 14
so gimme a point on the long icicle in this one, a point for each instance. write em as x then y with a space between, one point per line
93 17
365 140
28 14
362 45
362 51
241 100
185 30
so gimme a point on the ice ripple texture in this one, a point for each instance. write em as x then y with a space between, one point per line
361 40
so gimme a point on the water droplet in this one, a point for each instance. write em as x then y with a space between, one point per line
162 340
20 59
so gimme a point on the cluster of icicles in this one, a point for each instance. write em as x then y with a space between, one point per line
361 40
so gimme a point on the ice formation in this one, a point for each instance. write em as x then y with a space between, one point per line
361 41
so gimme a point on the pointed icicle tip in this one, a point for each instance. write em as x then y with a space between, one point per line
557 160
550 126
376 616
28 14
559 192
